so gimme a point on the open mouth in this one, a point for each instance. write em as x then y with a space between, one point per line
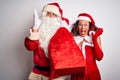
83 31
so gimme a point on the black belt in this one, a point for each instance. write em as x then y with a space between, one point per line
42 68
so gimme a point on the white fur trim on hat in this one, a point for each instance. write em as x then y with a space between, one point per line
78 39
84 18
52 8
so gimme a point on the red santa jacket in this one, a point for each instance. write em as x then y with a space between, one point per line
39 56
32 43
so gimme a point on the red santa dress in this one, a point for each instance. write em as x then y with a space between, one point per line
90 55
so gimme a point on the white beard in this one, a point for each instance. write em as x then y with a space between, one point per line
47 29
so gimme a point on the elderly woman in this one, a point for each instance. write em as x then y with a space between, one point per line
87 36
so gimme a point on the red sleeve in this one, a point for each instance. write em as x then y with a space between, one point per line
31 44
98 51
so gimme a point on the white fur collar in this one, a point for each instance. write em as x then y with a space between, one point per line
88 42
78 39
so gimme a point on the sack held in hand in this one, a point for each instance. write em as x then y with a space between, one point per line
65 56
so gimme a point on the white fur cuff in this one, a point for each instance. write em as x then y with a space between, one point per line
33 36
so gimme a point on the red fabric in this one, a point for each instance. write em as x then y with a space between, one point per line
91 69
65 55
90 60
98 51
38 53
31 44
91 76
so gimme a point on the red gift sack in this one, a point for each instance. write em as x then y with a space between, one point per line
65 56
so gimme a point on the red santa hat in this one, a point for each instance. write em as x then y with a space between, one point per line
54 8
86 16
65 22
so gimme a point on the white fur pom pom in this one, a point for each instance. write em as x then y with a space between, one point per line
90 33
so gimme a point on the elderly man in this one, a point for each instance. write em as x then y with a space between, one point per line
45 26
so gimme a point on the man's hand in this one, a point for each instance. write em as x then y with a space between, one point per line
37 21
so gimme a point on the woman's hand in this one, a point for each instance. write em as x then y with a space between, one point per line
97 34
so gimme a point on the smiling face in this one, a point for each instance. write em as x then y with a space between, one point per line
83 27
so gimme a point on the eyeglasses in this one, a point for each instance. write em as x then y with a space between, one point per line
85 25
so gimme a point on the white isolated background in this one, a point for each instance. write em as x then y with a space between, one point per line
16 18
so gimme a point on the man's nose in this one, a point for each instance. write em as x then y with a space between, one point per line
51 15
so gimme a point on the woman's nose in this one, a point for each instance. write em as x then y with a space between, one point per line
82 26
